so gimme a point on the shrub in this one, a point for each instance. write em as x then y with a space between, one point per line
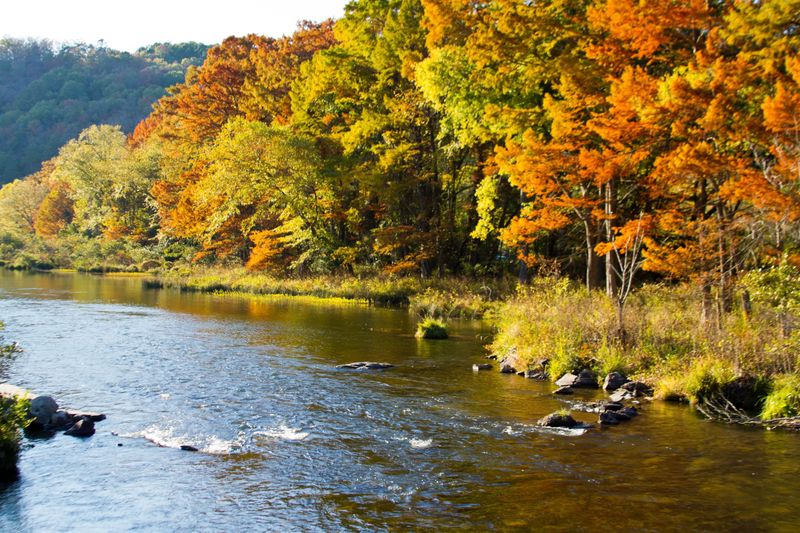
430 328
708 377
670 388
13 418
784 398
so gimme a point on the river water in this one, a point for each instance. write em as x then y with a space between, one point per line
290 443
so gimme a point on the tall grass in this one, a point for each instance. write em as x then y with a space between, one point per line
666 342
441 298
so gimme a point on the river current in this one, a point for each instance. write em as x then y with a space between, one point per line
288 442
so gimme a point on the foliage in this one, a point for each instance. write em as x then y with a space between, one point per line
431 328
415 141
13 418
784 398
48 94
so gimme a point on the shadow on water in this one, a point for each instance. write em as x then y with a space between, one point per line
290 442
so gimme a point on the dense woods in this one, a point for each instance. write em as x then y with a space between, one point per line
450 137
48 94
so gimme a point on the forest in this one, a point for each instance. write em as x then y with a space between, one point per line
48 94
605 141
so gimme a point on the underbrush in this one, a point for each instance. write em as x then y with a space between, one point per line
665 342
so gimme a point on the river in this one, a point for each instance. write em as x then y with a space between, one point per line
290 443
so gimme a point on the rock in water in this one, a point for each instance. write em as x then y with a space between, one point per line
505 368
536 374
608 418
43 408
620 395
613 381
61 419
557 420
187 448
82 428
366 365
564 390
585 379
481 366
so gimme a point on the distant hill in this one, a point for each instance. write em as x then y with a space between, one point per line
48 94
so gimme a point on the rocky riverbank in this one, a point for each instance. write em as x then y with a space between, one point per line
46 415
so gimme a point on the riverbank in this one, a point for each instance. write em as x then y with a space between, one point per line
740 368
444 298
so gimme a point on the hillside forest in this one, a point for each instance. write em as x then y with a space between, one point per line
49 93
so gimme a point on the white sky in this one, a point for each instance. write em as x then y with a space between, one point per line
128 25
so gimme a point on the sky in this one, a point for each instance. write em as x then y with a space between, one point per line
131 24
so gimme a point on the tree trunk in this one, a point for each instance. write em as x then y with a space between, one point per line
707 312
593 266
612 285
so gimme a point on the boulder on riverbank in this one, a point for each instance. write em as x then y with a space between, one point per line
614 380
46 416
585 379
42 409
366 365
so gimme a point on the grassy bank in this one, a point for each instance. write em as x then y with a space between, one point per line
445 298
747 357
13 419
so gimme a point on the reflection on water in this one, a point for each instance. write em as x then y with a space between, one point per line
292 443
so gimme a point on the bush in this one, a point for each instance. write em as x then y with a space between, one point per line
430 328
13 419
707 377
784 398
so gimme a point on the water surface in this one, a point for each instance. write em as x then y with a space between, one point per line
290 443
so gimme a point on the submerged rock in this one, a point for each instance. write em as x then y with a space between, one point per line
82 428
557 420
481 366
564 391
614 380
187 448
366 365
